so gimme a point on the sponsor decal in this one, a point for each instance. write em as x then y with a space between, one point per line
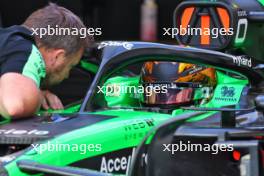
135 135
24 132
242 13
225 99
117 164
227 91
126 45
137 128
196 69
242 60
227 94
139 124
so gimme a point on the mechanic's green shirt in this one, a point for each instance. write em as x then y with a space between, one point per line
35 66
19 54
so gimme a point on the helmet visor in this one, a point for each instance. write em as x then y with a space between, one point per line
169 94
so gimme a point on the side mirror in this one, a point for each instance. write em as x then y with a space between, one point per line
221 25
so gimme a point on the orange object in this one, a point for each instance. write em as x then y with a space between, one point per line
224 16
186 16
205 23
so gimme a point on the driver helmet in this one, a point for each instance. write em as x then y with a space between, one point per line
174 83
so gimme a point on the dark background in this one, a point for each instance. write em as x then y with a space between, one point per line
119 19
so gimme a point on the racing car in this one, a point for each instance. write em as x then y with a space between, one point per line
177 146
99 136
109 125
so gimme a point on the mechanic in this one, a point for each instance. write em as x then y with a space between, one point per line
30 63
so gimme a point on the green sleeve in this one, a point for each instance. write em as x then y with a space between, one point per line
35 66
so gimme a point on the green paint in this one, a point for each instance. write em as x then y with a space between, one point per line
122 91
261 2
117 129
225 79
4 120
226 94
89 66
70 110
123 131
227 91
200 117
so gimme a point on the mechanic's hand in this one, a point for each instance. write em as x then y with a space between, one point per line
50 100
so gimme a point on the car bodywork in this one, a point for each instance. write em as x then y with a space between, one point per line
113 133
246 139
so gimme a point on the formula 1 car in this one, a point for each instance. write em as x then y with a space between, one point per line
183 147
102 133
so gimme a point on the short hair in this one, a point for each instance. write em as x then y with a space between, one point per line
54 16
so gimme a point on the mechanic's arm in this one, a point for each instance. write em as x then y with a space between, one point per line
19 96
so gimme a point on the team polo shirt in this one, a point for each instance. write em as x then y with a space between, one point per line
19 54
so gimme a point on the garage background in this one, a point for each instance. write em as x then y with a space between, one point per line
119 20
